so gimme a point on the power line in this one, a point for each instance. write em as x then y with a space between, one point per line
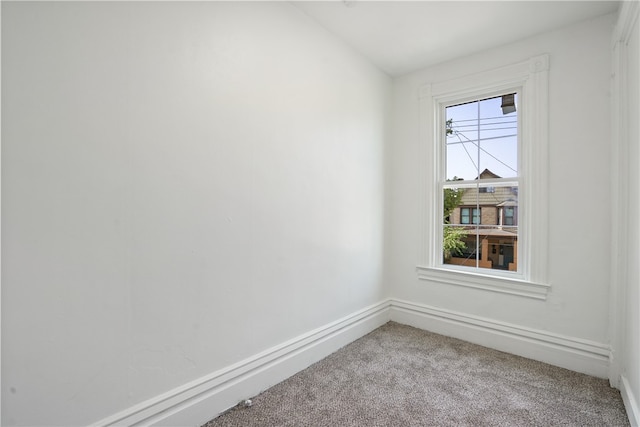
479 140
483 150
467 123
487 118
486 129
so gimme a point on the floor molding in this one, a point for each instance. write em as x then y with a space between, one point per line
198 401
630 402
572 353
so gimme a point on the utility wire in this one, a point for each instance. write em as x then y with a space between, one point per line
457 133
467 151
486 118
479 140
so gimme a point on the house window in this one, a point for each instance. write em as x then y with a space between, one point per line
488 189
485 221
466 213
509 215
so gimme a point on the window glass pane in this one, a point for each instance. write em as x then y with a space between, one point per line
480 223
509 215
453 213
459 245
461 161
484 235
476 216
465 216
481 136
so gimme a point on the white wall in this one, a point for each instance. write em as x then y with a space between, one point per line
627 177
184 185
579 197
632 336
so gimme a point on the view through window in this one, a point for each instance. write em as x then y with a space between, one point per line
480 186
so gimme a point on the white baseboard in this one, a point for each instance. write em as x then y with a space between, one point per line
195 403
198 401
572 353
630 402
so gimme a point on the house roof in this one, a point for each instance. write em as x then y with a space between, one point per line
487 174
494 232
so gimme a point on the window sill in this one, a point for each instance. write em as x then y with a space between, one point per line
474 280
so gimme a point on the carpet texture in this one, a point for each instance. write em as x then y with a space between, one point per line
402 376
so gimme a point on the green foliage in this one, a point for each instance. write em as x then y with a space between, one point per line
452 243
451 198
449 126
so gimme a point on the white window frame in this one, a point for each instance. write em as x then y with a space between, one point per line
530 80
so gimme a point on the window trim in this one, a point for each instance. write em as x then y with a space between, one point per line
530 79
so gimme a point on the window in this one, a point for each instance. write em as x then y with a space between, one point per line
465 215
487 189
480 147
509 215
485 217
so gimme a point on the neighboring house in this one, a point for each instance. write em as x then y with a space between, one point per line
490 216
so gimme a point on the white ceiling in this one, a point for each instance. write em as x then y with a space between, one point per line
404 36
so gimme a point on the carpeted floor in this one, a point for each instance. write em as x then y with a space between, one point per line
401 376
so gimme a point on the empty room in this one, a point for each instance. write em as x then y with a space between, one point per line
349 213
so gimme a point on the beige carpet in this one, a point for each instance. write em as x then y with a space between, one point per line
401 376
